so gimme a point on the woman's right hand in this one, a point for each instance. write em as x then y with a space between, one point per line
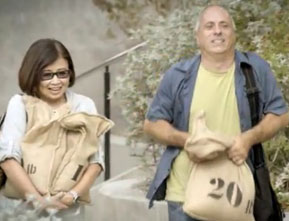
57 202
67 199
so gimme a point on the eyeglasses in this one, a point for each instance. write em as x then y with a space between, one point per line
45 76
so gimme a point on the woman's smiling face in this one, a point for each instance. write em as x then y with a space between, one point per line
53 90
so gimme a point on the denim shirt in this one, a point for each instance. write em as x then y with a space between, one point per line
174 96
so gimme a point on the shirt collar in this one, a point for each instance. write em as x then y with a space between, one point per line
240 58
195 61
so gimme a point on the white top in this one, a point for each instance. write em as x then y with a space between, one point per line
14 126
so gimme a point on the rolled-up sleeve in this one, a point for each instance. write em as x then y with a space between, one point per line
13 129
273 99
98 157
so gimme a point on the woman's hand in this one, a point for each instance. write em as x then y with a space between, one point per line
52 202
56 201
67 199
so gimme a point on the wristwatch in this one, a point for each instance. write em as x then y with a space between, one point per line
74 194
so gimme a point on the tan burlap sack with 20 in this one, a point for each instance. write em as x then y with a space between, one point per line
217 190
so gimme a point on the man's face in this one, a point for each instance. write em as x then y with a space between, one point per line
216 34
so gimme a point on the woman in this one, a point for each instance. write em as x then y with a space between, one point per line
46 73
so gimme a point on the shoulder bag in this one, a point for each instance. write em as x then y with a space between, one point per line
266 205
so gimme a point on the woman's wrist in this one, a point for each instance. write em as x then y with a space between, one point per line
74 195
70 198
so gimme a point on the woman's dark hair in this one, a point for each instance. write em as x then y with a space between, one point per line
41 54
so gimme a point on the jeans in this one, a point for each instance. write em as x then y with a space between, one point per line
176 212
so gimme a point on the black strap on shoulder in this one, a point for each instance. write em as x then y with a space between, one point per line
252 93
2 118
253 99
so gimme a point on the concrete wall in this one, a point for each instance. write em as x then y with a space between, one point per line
125 195
83 29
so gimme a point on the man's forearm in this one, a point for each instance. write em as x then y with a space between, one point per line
267 128
165 133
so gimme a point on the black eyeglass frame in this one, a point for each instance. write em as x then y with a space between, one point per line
62 74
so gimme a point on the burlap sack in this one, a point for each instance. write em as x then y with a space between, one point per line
57 146
85 136
217 190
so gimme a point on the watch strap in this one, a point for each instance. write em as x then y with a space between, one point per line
74 194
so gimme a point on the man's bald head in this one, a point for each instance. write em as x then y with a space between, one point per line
197 26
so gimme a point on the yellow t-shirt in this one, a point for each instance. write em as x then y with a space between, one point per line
215 94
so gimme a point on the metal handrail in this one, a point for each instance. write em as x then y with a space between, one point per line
111 59
106 64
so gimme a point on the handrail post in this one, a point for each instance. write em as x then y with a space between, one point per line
107 114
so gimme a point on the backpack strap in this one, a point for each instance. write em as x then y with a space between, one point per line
2 118
253 99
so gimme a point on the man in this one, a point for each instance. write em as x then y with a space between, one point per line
213 82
